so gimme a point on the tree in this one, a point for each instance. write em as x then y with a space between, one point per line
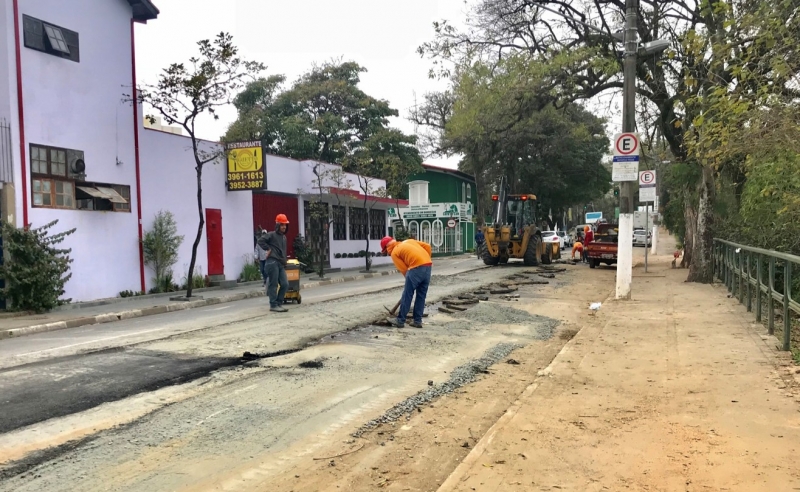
670 85
36 268
329 182
504 122
367 186
324 116
160 245
185 92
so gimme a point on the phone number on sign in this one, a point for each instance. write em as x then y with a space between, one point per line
245 176
245 185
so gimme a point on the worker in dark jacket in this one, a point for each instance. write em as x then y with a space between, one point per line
274 243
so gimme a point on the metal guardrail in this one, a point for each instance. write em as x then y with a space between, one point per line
749 274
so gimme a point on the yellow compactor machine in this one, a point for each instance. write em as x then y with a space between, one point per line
514 232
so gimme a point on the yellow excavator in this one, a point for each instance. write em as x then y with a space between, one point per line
514 233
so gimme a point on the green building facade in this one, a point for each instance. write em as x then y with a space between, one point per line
441 210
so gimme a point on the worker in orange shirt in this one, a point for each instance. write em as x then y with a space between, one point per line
579 248
413 259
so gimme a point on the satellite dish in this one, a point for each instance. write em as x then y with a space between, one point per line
78 166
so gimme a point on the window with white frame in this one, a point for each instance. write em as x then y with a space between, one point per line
425 229
438 234
413 229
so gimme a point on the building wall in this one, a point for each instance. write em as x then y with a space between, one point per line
344 246
68 105
169 183
446 187
7 60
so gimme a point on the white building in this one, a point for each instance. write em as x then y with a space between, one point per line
72 150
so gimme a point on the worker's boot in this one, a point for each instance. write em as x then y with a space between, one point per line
395 322
414 324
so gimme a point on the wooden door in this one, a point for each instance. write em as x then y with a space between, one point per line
216 262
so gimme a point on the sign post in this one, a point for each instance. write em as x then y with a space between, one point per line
626 171
647 193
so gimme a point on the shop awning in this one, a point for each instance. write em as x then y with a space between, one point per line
109 194
112 195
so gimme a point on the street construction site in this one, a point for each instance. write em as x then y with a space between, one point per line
513 383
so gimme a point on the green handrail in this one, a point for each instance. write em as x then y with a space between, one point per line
741 269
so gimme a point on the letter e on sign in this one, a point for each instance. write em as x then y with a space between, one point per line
626 144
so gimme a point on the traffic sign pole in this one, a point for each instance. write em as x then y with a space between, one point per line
626 172
625 238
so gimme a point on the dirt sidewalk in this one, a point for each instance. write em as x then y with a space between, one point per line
676 390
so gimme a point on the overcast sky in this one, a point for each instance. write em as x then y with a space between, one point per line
290 35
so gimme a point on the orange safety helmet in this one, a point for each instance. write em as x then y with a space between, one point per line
281 219
385 242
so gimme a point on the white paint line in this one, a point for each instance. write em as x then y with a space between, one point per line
220 308
90 341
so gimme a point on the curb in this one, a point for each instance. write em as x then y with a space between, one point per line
167 308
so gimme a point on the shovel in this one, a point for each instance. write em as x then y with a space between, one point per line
393 311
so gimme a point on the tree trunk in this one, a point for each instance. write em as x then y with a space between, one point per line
367 259
701 269
190 275
690 219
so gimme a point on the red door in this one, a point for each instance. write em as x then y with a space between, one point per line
216 264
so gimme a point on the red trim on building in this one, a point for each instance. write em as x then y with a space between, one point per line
136 152
20 106
360 196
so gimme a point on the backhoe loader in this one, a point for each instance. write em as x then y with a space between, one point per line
514 233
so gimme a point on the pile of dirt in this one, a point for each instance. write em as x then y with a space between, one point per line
487 313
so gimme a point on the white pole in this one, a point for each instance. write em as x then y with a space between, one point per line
655 229
625 256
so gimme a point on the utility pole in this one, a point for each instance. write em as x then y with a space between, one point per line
626 189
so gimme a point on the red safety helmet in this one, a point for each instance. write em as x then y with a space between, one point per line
281 219
385 242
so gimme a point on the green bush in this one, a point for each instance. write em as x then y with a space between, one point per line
160 245
250 272
302 250
36 269
401 234
198 280
131 293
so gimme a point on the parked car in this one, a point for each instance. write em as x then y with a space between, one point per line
566 239
642 238
553 237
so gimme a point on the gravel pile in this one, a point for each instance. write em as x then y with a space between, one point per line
459 377
487 313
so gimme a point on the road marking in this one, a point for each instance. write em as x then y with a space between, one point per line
90 341
213 415
220 308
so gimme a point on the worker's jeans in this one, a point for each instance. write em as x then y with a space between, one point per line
417 280
276 275
262 266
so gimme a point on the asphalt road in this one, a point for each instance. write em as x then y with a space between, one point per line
62 343
248 421
60 373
